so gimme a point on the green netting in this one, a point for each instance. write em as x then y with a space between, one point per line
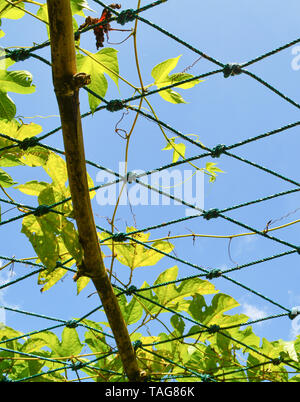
220 150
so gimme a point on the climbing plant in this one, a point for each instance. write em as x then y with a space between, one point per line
180 326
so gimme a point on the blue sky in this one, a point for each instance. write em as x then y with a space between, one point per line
219 110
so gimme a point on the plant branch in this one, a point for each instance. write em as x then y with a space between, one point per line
66 86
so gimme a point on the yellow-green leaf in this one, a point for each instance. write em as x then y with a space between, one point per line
161 76
11 12
96 65
81 283
170 294
136 255
32 187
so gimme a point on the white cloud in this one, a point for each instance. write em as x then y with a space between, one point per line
295 328
253 312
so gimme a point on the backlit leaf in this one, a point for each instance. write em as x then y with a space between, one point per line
161 76
136 255
96 65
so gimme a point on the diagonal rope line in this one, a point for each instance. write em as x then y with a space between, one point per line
199 268
215 152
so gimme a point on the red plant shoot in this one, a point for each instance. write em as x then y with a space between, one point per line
102 29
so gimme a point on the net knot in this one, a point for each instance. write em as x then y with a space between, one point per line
295 311
114 105
28 143
137 344
77 366
206 378
231 69
71 324
41 210
119 237
131 290
19 54
218 150
126 16
131 177
214 273
210 214
213 329
277 361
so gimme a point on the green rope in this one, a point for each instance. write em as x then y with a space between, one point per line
228 70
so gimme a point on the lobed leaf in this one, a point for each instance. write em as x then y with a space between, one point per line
162 78
96 65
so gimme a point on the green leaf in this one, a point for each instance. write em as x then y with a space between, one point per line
170 295
7 332
36 156
11 12
212 170
10 160
166 347
77 7
42 13
70 239
48 338
136 255
5 179
55 193
57 170
94 337
19 131
161 76
48 279
96 65
132 311
270 372
289 349
41 234
70 343
297 344
178 149
33 344
245 336
213 314
52 236
81 283
13 81
32 187
178 324
161 71
7 106
16 81
149 303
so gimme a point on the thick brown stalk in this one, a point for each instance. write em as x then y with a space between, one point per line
66 83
